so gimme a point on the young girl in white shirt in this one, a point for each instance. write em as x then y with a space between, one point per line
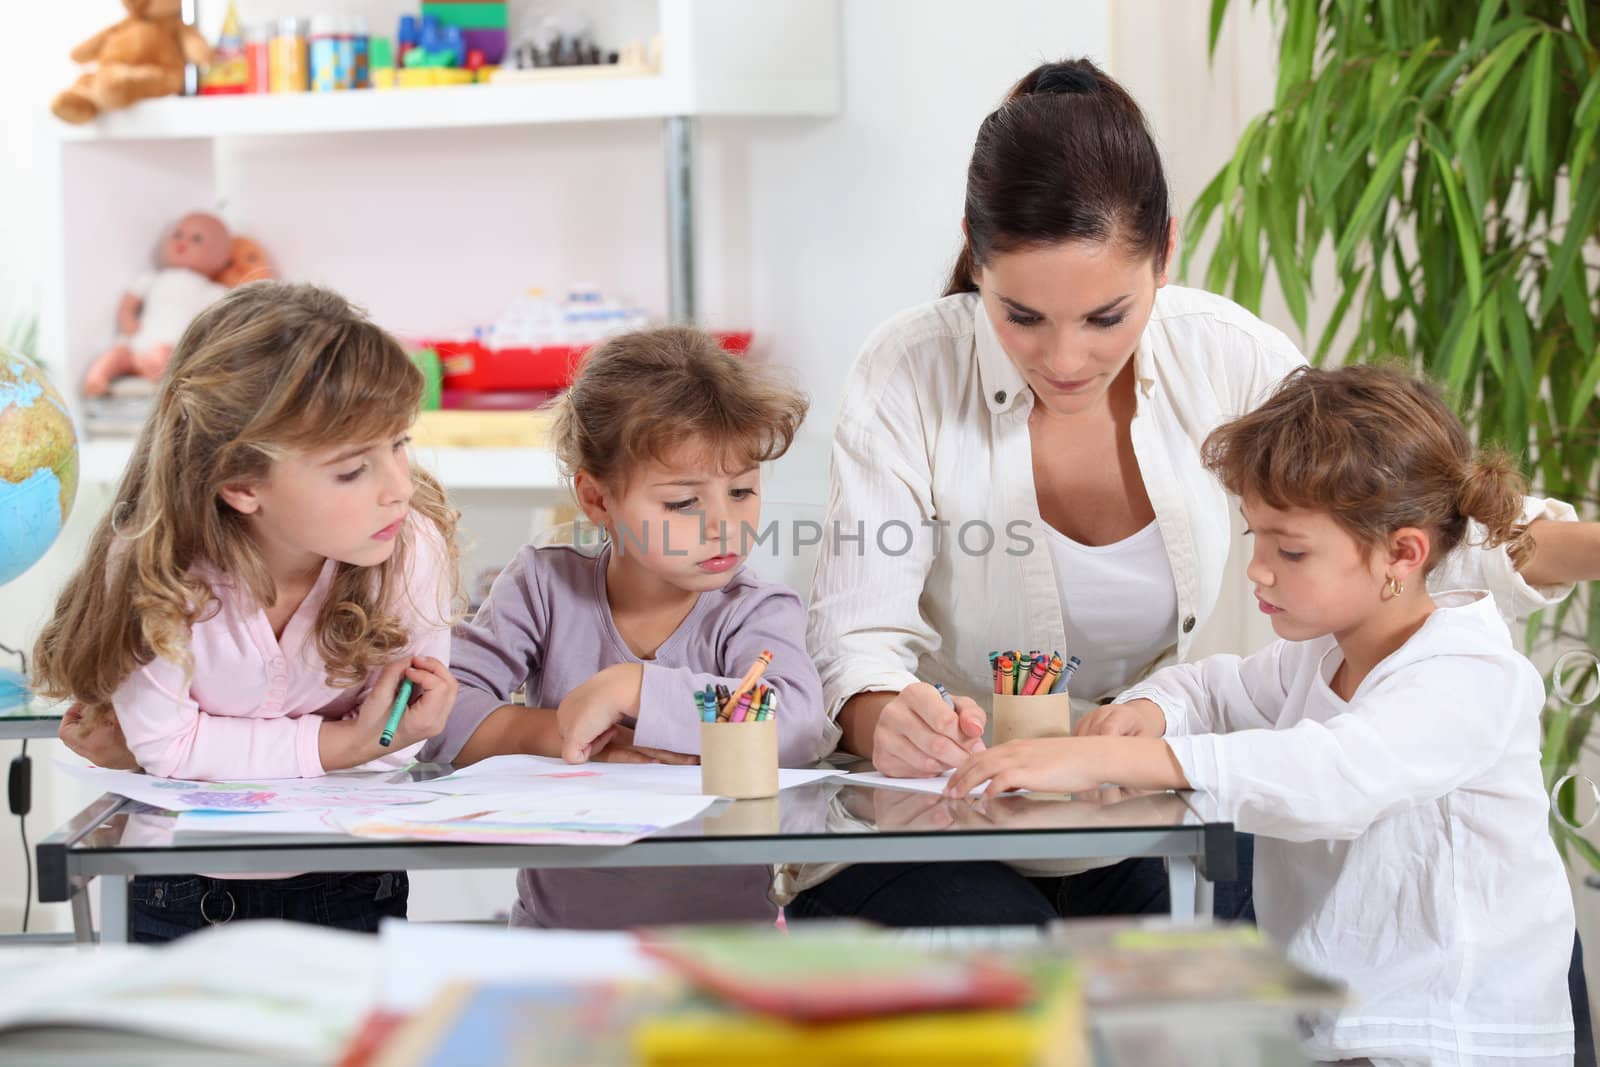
1385 751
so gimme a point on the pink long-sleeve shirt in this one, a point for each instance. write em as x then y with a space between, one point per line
256 701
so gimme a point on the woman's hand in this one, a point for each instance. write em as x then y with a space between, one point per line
95 734
1136 718
918 735
589 713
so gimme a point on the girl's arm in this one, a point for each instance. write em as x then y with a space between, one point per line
171 737
491 656
1410 740
1218 694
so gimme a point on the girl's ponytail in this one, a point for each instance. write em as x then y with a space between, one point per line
1491 492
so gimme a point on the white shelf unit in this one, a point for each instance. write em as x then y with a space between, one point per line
108 186
103 460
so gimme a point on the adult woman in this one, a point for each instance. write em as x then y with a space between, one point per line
1037 432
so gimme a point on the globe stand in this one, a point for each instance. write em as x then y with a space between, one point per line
14 691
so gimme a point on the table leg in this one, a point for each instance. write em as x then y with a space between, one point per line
1183 887
114 908
82 915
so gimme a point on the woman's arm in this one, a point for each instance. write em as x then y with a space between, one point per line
865 625
1565 552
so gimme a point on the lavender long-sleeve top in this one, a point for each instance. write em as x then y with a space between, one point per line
547 627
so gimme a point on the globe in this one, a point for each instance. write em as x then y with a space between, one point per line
38 478
38 465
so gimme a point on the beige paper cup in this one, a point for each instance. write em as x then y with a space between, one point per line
1018 717
759 815
739 759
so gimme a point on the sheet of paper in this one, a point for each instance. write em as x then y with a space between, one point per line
419 959
917 785
503 774
336 790
587 817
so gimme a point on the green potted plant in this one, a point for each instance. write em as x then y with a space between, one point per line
1446 155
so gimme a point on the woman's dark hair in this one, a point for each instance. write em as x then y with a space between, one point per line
1067 157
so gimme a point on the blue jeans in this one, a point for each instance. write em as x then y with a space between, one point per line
164 908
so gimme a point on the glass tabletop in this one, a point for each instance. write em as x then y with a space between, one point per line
827 808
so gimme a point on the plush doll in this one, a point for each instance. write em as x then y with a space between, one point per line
247 263
160 306
141 56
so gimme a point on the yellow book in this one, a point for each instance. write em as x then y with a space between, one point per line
1048 1034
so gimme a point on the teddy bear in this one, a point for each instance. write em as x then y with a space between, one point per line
141 56
160 305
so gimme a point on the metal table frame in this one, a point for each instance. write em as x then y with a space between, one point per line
1196 854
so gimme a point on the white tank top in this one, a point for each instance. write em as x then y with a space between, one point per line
1120 606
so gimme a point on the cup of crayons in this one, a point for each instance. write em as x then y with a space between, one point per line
739 736
1030 694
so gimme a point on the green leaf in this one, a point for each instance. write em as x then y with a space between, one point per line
1580 18
1478 89
1373 199
1581 227
1465 226
1352 285
1539 108
1219 8
1281 242
1580 316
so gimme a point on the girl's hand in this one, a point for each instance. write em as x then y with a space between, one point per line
587 714
354 741
96 735
1045 765
428 712
1136 718
918 735
619 748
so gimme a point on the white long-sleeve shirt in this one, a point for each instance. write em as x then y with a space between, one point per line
933 441
1402 845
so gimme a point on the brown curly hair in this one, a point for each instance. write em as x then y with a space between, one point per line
1380 451
639 394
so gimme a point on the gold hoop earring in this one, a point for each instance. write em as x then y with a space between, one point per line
1394 587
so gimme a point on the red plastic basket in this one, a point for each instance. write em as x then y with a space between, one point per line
471 366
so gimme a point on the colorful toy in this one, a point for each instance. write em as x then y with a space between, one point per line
160 305
482 25
140 57
229 72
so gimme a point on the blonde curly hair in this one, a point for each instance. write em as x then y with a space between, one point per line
268 369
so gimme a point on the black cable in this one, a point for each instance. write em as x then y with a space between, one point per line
27 859
22 815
